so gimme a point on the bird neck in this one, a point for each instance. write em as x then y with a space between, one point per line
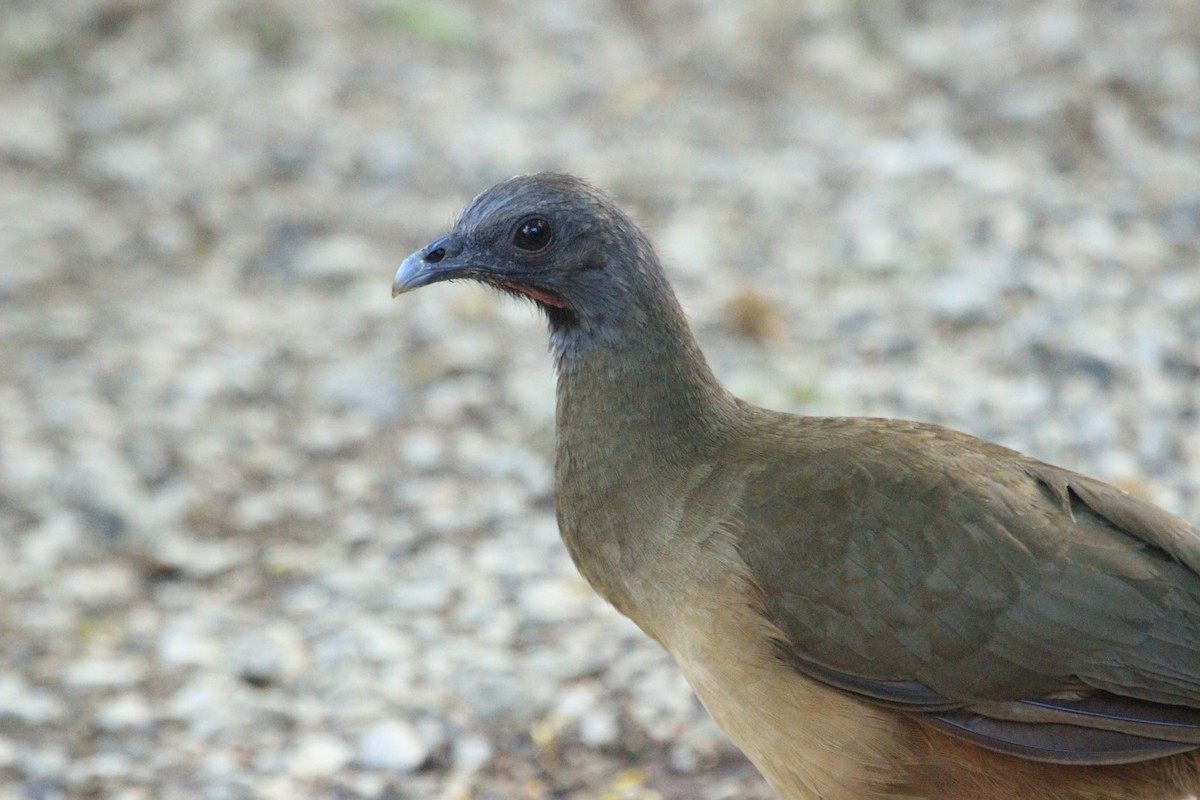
639 388
639 413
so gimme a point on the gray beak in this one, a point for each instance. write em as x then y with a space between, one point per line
435 262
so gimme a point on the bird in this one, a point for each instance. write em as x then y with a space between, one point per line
868 607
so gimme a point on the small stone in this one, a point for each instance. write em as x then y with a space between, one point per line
470 753
134 161
495 696
319 755
132 793
965 298
42 763
101 584
202 558
28 704
599 728
101 673
421 594
105 768
276 655
30 130
326 436
554 600
423 449
125 712
52 542
185 642
394 746
203 703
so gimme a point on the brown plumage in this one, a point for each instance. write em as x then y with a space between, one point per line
869 608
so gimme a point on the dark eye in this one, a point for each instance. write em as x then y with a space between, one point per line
533 234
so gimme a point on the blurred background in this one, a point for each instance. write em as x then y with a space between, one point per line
266 533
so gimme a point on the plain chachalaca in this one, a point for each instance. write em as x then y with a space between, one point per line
869 608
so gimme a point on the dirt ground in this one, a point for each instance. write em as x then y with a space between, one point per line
267 533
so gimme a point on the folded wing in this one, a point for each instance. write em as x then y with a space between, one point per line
1013 604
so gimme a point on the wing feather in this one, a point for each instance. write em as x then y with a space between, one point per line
926 570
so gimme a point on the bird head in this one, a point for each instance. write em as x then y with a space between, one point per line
551 238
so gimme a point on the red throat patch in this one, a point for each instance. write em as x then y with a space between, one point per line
540 296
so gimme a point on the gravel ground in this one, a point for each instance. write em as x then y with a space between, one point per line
267 534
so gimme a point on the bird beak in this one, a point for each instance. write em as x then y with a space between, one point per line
435 262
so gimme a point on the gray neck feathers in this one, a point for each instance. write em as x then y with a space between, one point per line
634 378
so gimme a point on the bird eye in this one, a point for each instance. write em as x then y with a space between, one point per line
533 234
